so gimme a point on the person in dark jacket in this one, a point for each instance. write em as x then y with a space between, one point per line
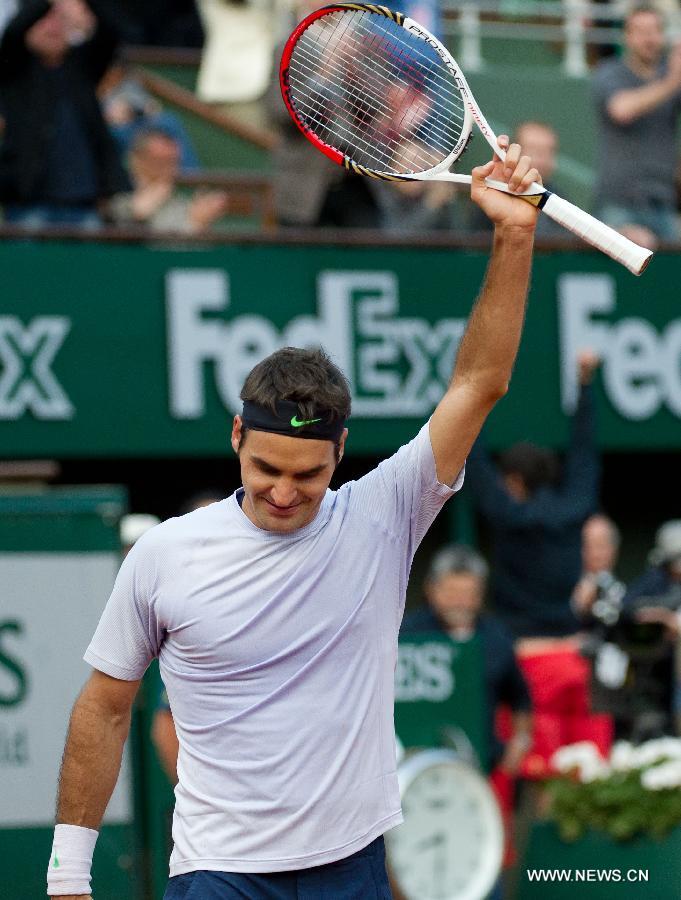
536 520
57 159
454 591
653 604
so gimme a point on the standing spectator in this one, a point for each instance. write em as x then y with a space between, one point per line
638 100
536 520
597 603
309 189
57 159
154 201
600 549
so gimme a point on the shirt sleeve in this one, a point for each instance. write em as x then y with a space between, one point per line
128 635
404 493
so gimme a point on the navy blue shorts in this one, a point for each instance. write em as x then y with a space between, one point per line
361 876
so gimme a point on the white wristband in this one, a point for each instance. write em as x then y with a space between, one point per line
71 860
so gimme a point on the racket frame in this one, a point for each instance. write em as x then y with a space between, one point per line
581 223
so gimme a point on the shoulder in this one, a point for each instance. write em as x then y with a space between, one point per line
420 620
612 74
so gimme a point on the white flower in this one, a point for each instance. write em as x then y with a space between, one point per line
666 775
584 757
653 751
623 757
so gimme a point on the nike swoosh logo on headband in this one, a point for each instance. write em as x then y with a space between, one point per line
297 424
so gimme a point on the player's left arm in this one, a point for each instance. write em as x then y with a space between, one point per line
489 346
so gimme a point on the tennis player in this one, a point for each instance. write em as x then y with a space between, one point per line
275 613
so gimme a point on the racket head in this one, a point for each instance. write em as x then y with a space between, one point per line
375 92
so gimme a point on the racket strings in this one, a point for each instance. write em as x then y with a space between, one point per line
445 124
365 100
364 85
317 115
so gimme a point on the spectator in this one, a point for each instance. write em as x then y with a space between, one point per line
600 549
236 63
653 603
130 109
417 206
454 590
57 159
310 190
154 200
539 141
638 100
597 603
536 520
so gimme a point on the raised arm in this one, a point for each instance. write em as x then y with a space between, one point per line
626 106
98 729
488 349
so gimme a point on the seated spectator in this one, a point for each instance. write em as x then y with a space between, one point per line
154 201
638 101
130 109
418 206
57 159
454 590
540 142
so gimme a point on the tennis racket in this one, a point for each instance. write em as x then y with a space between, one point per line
380 95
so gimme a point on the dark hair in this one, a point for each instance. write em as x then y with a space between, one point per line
308 377
537 466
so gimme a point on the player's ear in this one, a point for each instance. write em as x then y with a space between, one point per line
236 434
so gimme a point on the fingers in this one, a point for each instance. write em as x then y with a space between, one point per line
519 171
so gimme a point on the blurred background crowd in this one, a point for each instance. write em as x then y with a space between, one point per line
155 120
93 136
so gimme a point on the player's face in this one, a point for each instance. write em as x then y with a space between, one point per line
644 37
284 478
456 598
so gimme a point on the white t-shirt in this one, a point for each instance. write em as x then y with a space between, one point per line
278 654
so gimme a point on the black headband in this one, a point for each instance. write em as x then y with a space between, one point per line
288 420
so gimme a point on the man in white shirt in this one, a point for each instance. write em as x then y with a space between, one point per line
275 614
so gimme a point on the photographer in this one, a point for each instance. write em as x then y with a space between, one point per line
650 630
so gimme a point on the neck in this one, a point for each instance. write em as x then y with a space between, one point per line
642 68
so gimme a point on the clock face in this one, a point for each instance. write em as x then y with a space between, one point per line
450 844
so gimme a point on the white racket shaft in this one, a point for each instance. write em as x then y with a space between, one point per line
581 223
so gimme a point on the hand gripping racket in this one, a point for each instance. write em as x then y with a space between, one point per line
378 94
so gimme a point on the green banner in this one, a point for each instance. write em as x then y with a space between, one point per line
439 693
126 350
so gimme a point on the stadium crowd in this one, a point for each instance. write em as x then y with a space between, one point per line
85 145
571 651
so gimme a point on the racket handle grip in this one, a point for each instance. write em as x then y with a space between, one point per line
597 233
